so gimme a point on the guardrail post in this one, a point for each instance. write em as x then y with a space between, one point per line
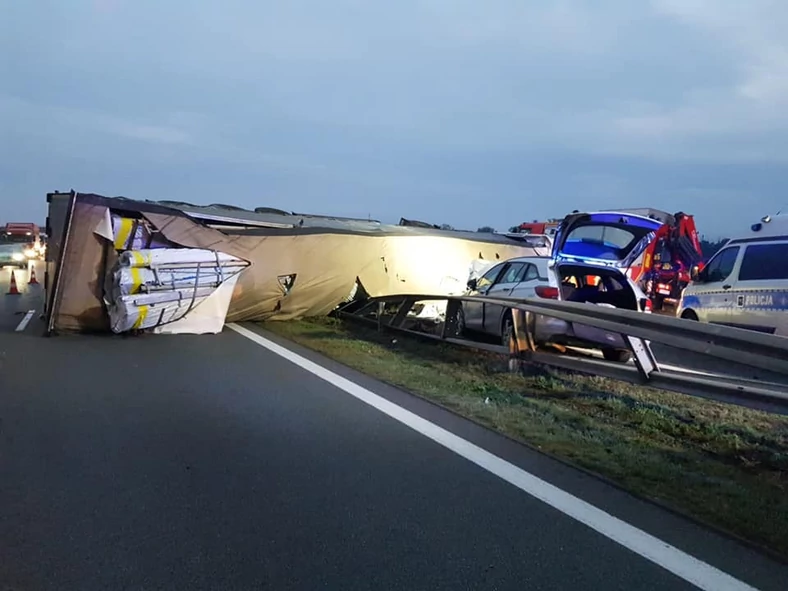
450 318
521 341
642 355
381 309
402 312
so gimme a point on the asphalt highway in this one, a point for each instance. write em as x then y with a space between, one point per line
211 462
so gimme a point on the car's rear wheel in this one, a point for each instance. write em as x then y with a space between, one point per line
617 355
458 325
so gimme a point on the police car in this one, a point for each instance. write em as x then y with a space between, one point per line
745 284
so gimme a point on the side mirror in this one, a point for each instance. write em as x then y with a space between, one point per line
472 284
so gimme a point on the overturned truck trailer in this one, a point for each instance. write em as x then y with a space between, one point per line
117 264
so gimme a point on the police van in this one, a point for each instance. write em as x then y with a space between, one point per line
745 284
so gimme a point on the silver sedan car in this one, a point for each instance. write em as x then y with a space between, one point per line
589 264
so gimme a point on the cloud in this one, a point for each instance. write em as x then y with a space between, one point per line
23 116
436 105
146 133
751 35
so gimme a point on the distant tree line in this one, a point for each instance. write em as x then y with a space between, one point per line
709 247
486 229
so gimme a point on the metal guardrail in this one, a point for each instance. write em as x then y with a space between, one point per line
637 330
742 346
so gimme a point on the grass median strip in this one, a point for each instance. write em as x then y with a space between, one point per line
723 464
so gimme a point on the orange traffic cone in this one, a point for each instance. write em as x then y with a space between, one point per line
33 280
13 290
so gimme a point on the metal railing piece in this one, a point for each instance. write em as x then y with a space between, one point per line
637 329
742 346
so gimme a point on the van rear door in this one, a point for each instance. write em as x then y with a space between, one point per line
760 292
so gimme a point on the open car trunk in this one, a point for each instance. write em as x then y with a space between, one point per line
579 283
603 239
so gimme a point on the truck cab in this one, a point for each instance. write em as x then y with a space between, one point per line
19 244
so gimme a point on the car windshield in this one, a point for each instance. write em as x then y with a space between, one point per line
6 238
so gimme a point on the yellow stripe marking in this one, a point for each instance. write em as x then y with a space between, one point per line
138 258
141 317
124 232
136 279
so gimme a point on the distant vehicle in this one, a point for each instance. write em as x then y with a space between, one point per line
590 257
745 284
20 243
535 241
547 228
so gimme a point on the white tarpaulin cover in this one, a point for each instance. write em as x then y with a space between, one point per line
172 290
205 313
133 280
179 257
208 317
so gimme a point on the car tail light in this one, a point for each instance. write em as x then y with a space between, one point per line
547 292
646 305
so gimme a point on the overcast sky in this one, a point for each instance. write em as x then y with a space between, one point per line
451 111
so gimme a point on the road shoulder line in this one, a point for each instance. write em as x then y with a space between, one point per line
25 321
681 564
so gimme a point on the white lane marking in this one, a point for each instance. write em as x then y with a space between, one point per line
694 571
25 321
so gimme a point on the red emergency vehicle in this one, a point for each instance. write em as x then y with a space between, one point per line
547 228
668 260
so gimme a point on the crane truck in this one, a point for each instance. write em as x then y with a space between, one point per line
668 260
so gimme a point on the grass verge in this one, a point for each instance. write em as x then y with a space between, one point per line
722 464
